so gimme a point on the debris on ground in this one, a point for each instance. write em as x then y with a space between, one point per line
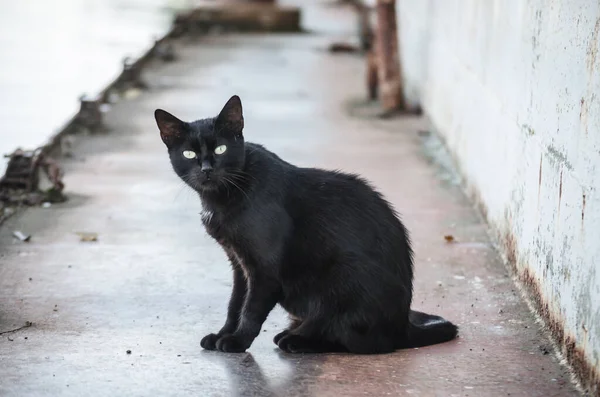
544 349
128 352
449 238
90 115
26 325
164 50
132 75
5 212
132 93
343 47
23 183
22 236
87 236
66 144
258 16
111 96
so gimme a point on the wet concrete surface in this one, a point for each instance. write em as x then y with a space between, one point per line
154 283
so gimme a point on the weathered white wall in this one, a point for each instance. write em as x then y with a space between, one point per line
514 87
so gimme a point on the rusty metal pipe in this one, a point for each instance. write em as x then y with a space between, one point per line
387 49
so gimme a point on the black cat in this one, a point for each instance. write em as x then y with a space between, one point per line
323 244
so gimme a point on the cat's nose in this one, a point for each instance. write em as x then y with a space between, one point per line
206 168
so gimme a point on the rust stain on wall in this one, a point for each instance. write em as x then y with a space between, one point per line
539 182
583 115
587 374
560 190
592 52
583 210
575 355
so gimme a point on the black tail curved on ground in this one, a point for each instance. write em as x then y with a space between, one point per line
428 329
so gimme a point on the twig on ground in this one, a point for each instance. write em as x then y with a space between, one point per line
27 325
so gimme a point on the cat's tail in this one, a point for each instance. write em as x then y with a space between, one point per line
426 329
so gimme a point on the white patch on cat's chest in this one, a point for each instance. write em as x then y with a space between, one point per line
206 216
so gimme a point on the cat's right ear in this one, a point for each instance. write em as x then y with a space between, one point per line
171 128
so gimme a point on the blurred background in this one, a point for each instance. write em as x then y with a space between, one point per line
55 51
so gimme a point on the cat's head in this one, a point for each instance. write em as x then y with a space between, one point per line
206 154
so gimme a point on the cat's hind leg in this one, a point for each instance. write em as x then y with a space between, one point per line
292 343
368 339
307 338
295 322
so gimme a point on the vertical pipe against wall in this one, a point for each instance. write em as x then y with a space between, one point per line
386 46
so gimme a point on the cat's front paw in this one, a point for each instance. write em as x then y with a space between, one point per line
209 342
232 344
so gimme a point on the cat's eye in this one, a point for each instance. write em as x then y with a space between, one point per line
220 149
188 154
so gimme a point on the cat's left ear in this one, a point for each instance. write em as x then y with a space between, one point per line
231 119
171 128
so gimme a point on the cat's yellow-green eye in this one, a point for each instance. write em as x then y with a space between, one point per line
220 149
188 154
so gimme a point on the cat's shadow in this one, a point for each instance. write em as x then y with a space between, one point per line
247 379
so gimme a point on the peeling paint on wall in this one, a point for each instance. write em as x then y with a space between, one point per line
513 88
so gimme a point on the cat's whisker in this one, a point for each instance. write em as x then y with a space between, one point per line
237 186
182 187
241 174
183 184
221 182
238 178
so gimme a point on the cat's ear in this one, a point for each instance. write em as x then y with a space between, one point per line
230 121
171 128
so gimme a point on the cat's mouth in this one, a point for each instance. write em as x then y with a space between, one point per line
202 183
208 184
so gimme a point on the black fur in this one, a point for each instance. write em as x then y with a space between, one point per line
323 244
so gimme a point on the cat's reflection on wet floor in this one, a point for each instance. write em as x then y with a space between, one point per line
247 378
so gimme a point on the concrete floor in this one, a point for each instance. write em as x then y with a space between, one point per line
155 284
